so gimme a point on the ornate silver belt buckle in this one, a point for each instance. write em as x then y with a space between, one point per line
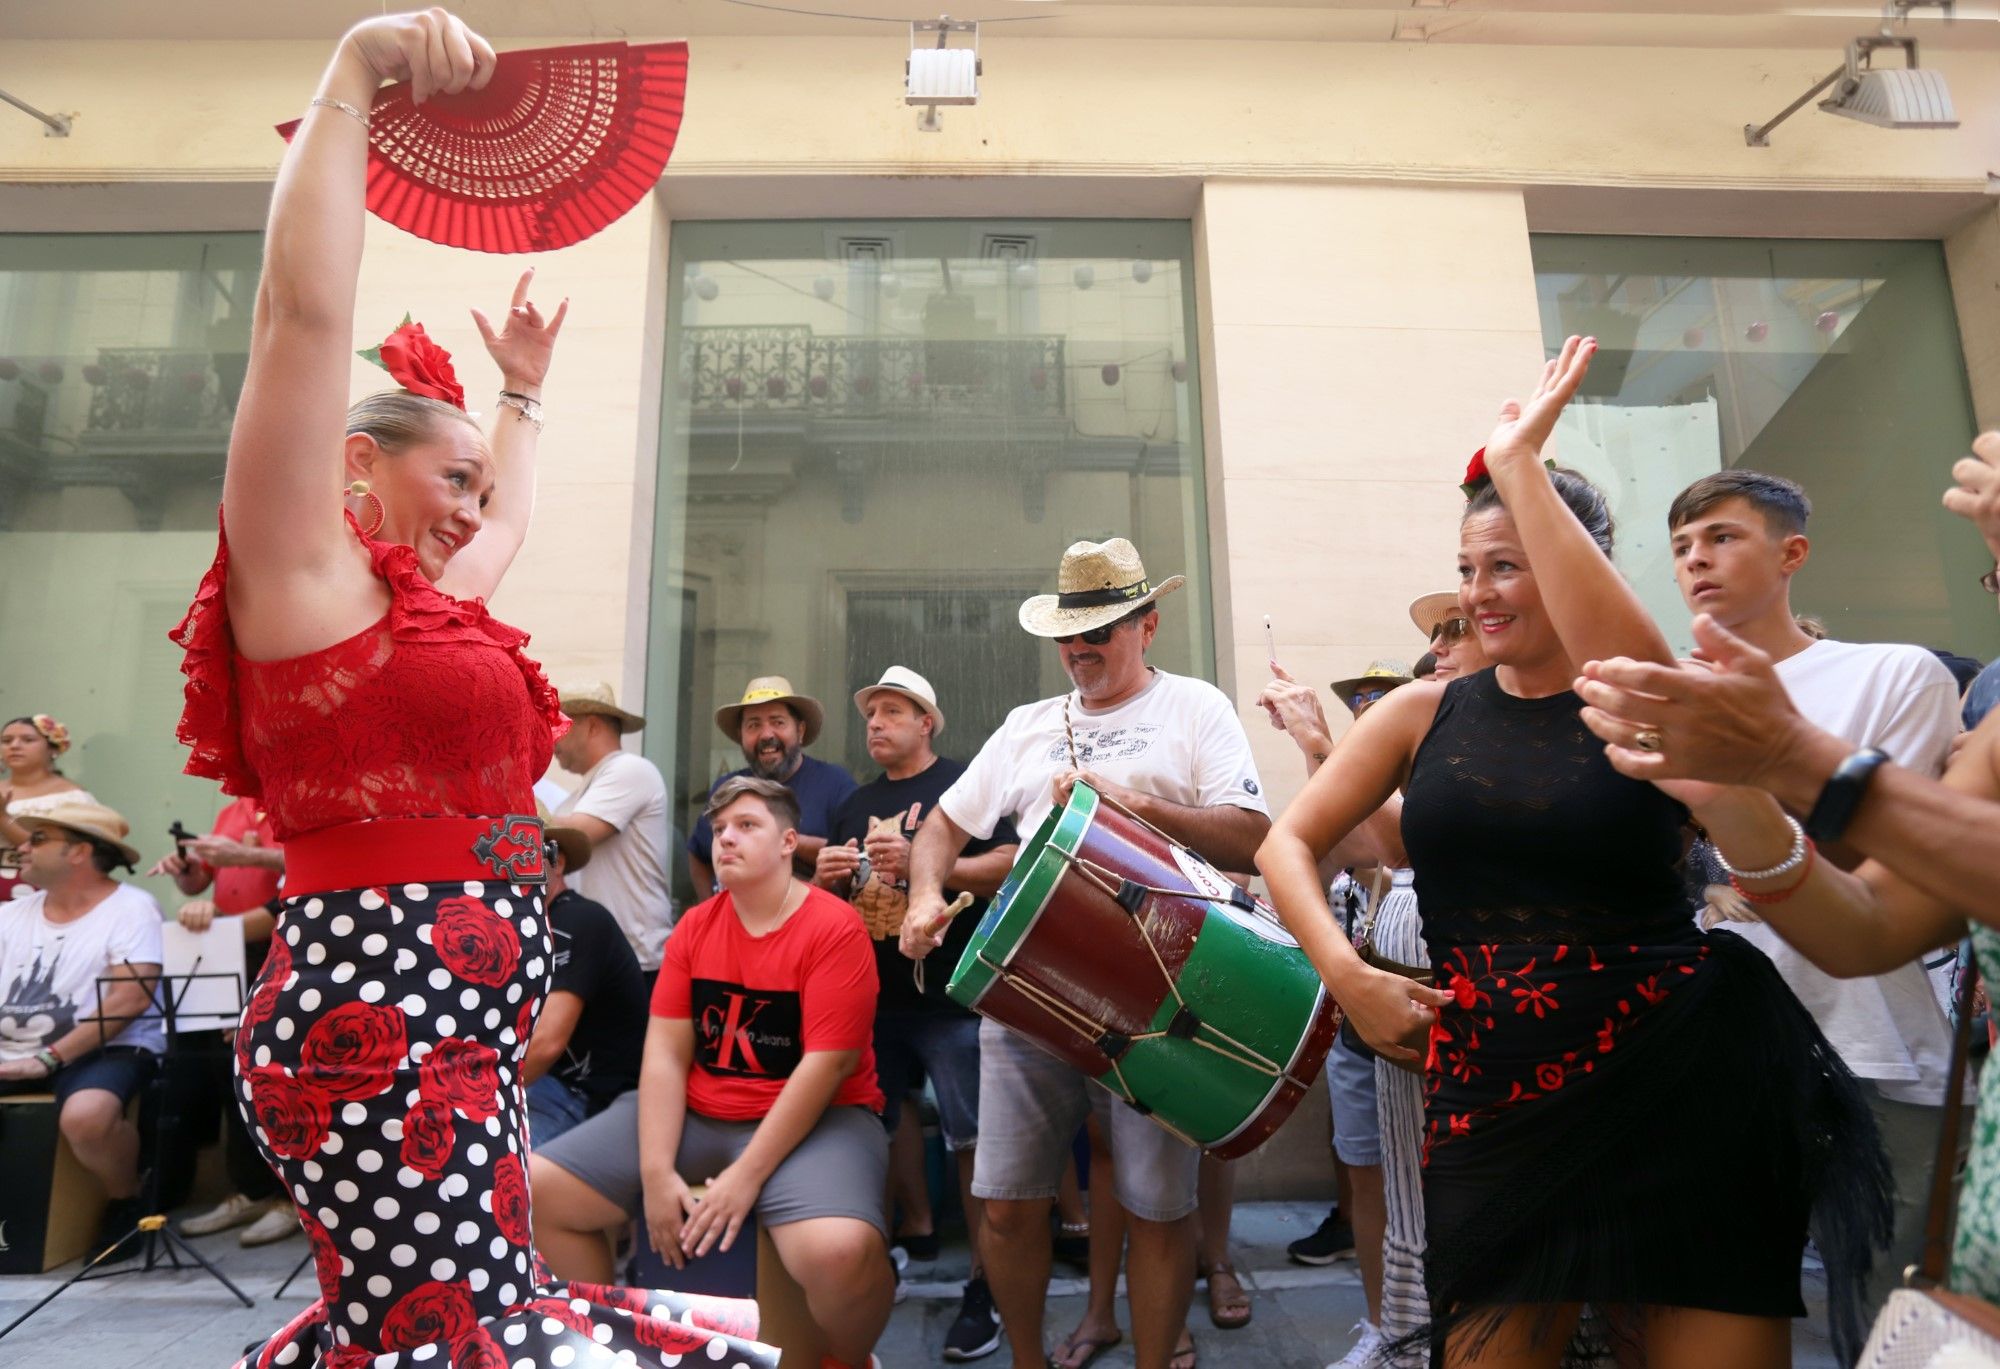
512 849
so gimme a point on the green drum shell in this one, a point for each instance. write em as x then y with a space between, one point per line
1266 1020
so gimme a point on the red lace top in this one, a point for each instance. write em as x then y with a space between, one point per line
436 710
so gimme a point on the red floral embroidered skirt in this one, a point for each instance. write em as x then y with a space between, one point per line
1639 1125
378 1063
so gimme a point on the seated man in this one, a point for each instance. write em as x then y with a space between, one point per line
585 1050
758 1081
60 1032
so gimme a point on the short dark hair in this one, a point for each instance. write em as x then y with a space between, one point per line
1582 498
782 803
1426 666
1783 504
105 858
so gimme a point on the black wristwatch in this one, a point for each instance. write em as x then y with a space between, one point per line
1838 801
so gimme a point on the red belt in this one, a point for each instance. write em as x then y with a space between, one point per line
362 855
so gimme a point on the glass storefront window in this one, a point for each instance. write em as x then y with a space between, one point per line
880 437
121 359
1834 364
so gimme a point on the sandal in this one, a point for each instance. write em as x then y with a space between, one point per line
1074 1342
1183 1356
1228 1301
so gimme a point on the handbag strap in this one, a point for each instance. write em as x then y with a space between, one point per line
1938 1222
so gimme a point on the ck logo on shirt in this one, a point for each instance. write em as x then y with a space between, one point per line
748 1033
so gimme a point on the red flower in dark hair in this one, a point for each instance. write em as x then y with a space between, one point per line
419 365
1475 471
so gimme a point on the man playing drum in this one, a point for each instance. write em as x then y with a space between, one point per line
1172 751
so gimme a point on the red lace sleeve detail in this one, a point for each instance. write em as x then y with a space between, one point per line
211 724
420 611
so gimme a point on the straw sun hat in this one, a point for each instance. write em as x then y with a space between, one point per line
1097 583
583 700
902 680
771 689
91 820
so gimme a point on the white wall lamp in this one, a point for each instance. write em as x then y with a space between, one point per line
1887 97
940 75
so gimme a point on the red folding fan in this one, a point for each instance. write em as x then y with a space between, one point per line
560 143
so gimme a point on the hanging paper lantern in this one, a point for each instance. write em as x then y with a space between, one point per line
733 387
1828 322
9 368
1693 338
1038 379
1085 275
1757 331
1142 271
93 374
1179 370
707 287
818 386
864 385
775 387
823 287
51 372
1110 373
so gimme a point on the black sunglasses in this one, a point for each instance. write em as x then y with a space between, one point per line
1098 636
1452 629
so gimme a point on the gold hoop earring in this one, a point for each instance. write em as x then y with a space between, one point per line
360 489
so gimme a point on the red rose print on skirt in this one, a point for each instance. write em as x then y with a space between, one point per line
477 1350
429 1312
270 981
428 1138
326 1258
354 1050
292 1114
559 1309
524 1026
669 1337
510 1199
462 1074
474 942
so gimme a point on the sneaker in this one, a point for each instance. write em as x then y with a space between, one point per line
896 1272
234 1210
923 1247
280 1220
899 1257
976 1333
1333 1241
1367 1351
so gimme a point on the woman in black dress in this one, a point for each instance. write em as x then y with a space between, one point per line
1620 1110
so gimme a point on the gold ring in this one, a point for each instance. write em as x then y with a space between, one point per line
1647 739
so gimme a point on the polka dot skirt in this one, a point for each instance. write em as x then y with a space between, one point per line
378 1065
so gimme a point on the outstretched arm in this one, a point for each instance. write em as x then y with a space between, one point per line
282 487
1594 611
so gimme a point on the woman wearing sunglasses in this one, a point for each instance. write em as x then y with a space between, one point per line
1603 1080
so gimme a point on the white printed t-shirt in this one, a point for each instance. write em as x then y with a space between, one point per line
1889 1028
628 870
1177 739
49 971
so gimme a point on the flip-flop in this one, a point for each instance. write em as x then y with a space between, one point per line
1072 1342
1228 1312
1183 1358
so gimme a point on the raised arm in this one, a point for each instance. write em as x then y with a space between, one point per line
1595 612
521 349
281 491
1373 759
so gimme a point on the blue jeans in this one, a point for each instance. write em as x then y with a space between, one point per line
553 1108
946 1047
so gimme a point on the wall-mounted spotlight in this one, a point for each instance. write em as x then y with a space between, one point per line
940 75
1888 97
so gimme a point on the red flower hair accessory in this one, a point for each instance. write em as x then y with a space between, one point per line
1476 473
418 364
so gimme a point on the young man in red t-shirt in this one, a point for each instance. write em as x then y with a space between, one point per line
758 1080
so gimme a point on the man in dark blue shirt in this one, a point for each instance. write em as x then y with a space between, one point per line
774 724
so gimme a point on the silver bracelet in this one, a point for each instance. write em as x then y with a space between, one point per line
530 409
328 102
1793 858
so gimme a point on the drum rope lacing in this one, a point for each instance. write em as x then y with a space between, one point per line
1185 1023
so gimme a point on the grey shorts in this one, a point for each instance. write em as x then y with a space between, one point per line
837 1171
1350 1087
1030 1106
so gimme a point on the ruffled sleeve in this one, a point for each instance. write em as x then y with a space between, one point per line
211 724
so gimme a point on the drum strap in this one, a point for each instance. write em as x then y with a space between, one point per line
1186 1024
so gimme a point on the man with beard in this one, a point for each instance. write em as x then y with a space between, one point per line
1172 750
774 724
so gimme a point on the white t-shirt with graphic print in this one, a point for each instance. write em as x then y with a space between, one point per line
49 970
1178 739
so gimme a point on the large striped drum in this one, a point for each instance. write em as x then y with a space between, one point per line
1134 960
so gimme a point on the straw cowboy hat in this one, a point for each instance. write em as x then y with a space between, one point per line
770 689
92 820
1387 674
1428 610
912 686
1097 583
582 700
573 844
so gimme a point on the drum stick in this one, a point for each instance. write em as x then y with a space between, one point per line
952 910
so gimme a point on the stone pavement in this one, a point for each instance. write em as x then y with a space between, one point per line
1303 1318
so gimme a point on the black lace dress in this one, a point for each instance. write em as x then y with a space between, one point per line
1620 1109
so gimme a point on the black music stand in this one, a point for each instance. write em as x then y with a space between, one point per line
160 1245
